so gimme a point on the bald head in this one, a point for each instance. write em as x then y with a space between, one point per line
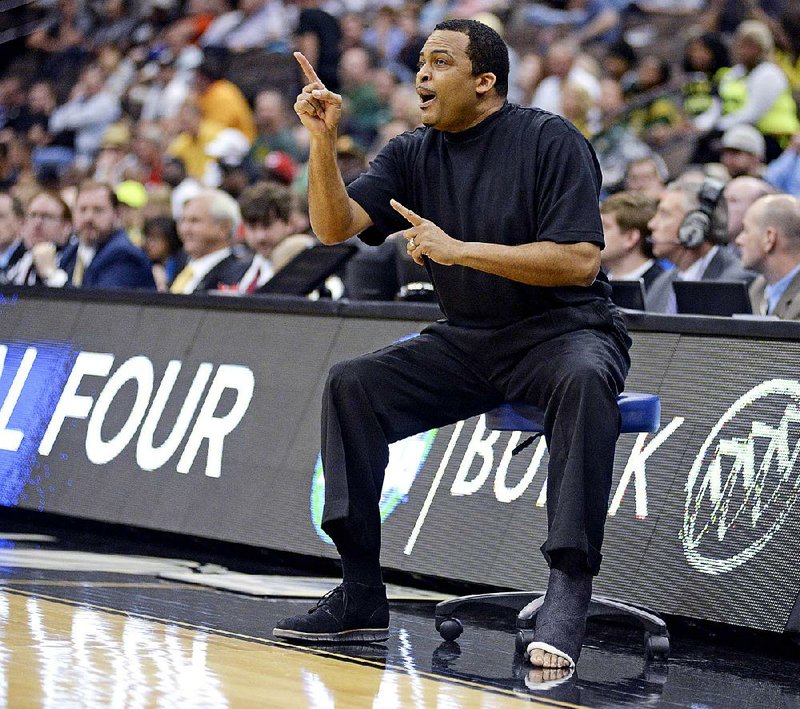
770 238
780 212
739 194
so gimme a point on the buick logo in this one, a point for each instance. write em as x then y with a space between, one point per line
743 484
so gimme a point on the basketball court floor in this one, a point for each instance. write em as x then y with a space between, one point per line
100 616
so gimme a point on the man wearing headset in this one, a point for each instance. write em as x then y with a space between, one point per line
688 229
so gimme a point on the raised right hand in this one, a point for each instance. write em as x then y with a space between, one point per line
319 109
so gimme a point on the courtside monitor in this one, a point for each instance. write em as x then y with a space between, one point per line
724 298
628 294
308 270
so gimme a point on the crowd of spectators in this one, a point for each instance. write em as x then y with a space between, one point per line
152 144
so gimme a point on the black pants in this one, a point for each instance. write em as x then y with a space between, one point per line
571 362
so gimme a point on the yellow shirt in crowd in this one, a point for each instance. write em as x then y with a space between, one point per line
224 103
192 148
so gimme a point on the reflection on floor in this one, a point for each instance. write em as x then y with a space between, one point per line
98 634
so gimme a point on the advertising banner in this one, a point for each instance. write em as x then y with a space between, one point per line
205 421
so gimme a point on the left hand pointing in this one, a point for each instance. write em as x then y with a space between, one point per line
426 239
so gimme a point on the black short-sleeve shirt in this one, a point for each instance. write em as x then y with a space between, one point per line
521 175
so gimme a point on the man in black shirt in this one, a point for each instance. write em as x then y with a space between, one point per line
506 220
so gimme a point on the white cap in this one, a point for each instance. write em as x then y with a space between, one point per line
744 138
229 146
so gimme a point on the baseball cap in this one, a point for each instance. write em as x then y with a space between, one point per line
744 138
229 146
132 193
281 165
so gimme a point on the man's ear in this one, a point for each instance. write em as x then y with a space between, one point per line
770 239
633 237
484 82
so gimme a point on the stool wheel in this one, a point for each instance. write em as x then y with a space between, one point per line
522 639
450 628
656 646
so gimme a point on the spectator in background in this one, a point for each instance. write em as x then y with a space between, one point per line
742 151
740 193
784 171
351 158
62 36
384 37
41 104
280 167
103 255
787 51
164 249
12 102
116 25
693 243
195 133
11 247
616 146
654 115
257 24
221 101
45 232
415 39
148 153
132 199
576 107
227 170
628 254
585 20
207 227
756 91
619 63
274 133
705 61
266 216
89 111
770 245
562 66
318 36
647 174
114 158
362 111
167 91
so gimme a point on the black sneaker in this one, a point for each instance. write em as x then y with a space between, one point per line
350 613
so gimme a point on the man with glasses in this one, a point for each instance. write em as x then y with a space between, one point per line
45 230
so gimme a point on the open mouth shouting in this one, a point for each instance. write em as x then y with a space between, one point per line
426 97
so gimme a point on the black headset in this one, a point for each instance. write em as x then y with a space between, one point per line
700 224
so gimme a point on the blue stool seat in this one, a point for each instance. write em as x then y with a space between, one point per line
640 413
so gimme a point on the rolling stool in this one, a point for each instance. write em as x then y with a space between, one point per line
640 413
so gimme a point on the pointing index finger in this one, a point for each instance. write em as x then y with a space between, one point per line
406 213
308 70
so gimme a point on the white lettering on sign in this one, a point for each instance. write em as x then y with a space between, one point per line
740 490
145 413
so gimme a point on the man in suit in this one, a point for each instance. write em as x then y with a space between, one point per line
688 229
11 246
628 254
206 227
266 213
45 231
770 245
103 255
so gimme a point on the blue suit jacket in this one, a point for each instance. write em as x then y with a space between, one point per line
117 264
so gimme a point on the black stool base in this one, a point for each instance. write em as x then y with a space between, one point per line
656 635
